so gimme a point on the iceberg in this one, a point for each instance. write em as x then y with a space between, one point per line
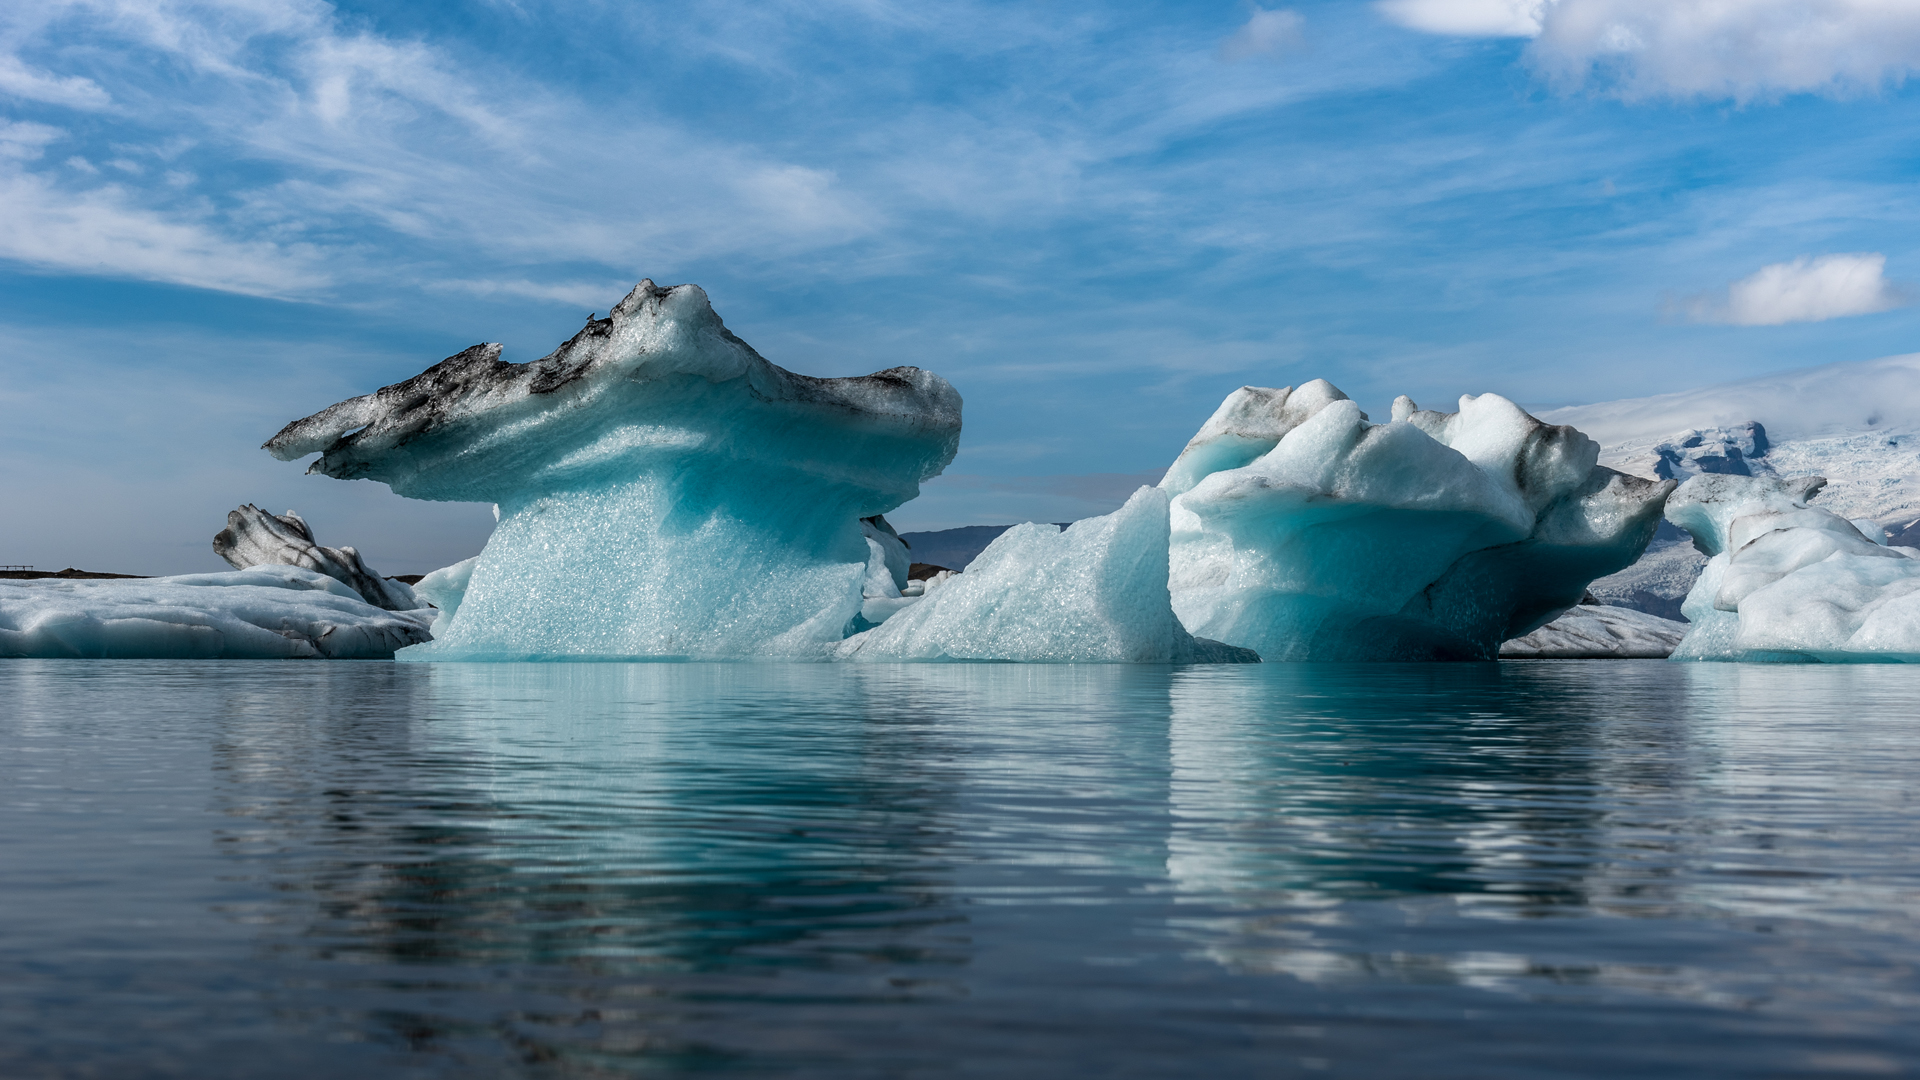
1789 582
254 537
1095 592
663 490
1591 631
1304 531
267 612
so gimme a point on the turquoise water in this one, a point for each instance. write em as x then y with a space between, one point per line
1472 870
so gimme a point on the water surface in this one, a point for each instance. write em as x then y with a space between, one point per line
1471 870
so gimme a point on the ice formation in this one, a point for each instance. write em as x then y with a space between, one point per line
254 537
1598 632
1095 593
663 490
268 612
1790 582
1305 532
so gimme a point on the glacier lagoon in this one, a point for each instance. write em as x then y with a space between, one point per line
228 869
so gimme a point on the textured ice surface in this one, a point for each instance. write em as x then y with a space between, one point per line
663 490
1305 532
1095 592
444 589
1788 581
268 612
254 537
1599 632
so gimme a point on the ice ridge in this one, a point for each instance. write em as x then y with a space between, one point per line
254 537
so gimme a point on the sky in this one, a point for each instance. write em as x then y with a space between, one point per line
1094 219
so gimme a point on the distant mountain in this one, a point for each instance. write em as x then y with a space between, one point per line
953 548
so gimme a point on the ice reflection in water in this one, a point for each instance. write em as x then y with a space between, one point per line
509 870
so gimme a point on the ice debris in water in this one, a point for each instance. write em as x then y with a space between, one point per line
1095 592
254 537
663 490
1593 631
1791 582
267 612
1305 532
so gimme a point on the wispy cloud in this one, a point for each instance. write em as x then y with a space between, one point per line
1266 33
1714 49
1467 18
1807 289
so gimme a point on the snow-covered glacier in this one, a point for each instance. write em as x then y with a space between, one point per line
267 612
1856 423
1790 582
1303 531
663 490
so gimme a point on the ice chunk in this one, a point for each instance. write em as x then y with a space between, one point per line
254 537
1789 582
265 612
1734 451
893 553
444 589
1305 532
663 490
1598 632
1096 592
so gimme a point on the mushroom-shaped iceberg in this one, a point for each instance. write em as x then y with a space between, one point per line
663 490
1304 532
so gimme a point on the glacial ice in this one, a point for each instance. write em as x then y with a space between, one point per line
267 612
1305 532
254 537
1095 592
1598 632
663 490
1790 582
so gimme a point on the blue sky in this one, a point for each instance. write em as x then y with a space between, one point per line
1096 220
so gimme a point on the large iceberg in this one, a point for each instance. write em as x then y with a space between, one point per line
1305 532
1791 582
268 612
1093 593
254 537
663 490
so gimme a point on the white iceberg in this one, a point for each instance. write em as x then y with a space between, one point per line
1790 582
663 490
1095 592
1304 532
254 537
1598 632
267 612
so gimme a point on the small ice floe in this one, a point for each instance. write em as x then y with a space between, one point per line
267 612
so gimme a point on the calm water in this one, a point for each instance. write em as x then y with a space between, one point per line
340 870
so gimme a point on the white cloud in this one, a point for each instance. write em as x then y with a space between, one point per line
1808 289
1467 18
74 92
1267 33
1717 49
